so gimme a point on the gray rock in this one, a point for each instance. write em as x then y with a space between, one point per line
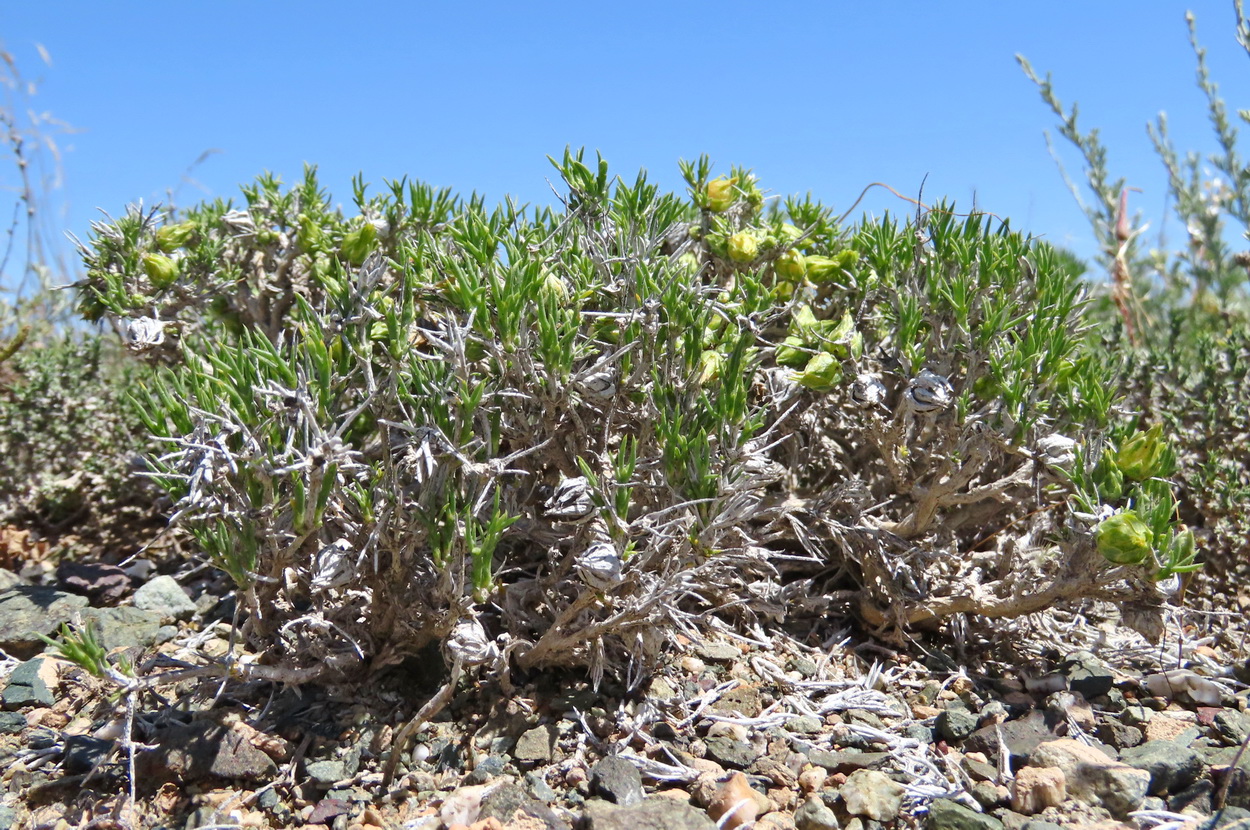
946 814
11 723
83 752
718 652
8 580
1020 736
987 795
917 731
729 752
512 806
536 745
1088 675
873 794
485 770
1172 767
325 774
847 761
1041 825
1228 819
654 813
202 750
618 781
1231 725
26 687
29 610
1113 733
1197 798
539 788
805 725
1092 777
124 627
814 815
163 595
8 818
956 723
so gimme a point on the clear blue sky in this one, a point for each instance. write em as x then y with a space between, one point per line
825 96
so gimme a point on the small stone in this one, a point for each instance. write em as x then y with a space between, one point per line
1088 675
1164 728
946 814
618 781
653 813
27 687
539 788
731 753
847 761
164 596
956 723
124 627
743 700
873 794
8 818
812 779
1171 767
325 774
804 666
1231 726
735 796
1113 733
989 795
814 815
511 806
1092 777
805 725
718 652
327 810
1036 788
1196 799
536 745
29 610
12 723
488 768
83 753
1020 736
202 750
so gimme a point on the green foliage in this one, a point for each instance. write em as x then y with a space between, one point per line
70 434
403 415
1179 332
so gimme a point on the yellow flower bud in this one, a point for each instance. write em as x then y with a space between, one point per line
1145 455
791 265
822 373
1124 539
359 243
743 247
720 193
172 237
161 270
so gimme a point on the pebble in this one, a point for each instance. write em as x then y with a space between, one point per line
536 745
1092 777
947 814
814 815
872 794
1036 788
166 597
1172 767
617 780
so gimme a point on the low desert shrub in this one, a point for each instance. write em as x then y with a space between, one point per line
562 436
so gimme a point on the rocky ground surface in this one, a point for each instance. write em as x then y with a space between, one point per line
1081 726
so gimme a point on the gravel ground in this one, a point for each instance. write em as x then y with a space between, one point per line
1062 719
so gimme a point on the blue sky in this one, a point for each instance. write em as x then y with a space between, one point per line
825 97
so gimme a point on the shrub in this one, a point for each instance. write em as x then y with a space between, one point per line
1182 323
562 436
